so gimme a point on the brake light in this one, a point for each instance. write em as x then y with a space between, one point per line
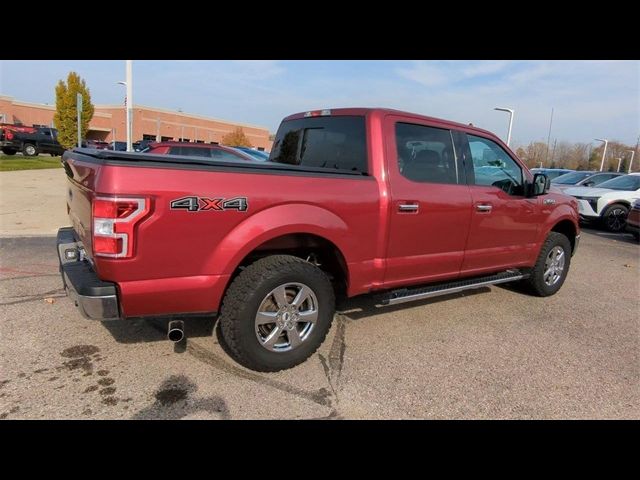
318 113
114 221
9 135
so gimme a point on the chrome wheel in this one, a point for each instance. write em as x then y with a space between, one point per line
616 219
554 266
286 317
30 150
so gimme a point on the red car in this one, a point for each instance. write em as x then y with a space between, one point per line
353 201
206 150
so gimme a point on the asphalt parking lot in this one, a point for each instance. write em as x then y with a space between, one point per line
494 353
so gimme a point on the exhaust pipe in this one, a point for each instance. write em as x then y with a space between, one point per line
175 332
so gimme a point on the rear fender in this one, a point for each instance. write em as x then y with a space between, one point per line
272 223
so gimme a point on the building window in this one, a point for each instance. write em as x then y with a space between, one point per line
147 136
166 139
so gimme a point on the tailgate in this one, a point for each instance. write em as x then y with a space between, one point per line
81 180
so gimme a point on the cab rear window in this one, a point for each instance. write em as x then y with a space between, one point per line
322 142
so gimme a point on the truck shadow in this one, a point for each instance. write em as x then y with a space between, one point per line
368 305
155 330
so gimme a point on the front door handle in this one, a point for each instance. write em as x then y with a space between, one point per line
408 207
484 207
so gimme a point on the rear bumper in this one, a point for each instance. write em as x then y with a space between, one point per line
96 300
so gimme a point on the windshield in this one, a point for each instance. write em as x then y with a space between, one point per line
571 178
257 154
626 182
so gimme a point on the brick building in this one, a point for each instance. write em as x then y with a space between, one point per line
149 123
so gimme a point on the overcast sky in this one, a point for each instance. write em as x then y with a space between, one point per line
590 98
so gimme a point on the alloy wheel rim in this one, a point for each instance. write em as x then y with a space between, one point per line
615 219
286 317
554 266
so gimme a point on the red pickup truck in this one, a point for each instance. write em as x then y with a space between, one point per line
352 201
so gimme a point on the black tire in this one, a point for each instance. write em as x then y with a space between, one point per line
29 150
245 296
536 281
614 217
9 151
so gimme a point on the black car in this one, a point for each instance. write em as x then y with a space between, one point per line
29 140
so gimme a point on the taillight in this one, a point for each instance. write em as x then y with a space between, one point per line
9 135
114 221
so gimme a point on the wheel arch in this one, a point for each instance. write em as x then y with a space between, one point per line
567 228
286 229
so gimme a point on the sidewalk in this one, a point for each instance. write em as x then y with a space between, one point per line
32 202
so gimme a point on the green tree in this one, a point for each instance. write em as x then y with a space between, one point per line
237 138
66 116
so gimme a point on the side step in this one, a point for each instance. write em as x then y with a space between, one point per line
410 294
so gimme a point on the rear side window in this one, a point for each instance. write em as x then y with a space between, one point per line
218 154
190 151
425 154
322 142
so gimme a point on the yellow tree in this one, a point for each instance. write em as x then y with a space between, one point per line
66 116
236 138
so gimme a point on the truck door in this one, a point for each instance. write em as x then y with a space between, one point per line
504 223
430 203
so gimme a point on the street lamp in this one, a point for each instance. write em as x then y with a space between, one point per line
619 163
604 152
129 104
633 152
510 121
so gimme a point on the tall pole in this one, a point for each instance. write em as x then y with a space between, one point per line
549 136
619 163
79 109
633 152
129 82
510 111
157 129
604 152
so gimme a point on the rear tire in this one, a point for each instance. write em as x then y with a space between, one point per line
552 266
29 150
614 217
9 151
296 294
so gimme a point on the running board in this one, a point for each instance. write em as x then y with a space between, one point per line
411 294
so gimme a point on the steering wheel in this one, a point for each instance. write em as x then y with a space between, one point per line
507 185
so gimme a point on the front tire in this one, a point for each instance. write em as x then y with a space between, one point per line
29 150
276 313
552 266
615 217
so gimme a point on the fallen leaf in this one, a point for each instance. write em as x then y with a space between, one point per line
50 300
627 265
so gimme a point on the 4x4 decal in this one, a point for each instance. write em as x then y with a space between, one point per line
202 204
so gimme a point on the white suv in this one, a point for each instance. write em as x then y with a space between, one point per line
610 202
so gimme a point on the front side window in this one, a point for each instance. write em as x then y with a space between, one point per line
492 166
425 154
322 142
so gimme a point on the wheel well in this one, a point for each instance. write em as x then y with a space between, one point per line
317 250
617 202
566 228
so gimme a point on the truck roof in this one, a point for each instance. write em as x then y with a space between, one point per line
386 111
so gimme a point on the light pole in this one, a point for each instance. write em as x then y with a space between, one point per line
129 103
633 152
604 152
619 163
510 121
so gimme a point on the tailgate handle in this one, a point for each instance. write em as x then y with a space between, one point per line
483 207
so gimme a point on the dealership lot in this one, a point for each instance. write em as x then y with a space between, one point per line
493 353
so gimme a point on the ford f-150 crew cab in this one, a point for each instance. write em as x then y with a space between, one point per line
352 201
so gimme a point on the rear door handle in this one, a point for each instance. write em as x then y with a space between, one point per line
484 208
408 207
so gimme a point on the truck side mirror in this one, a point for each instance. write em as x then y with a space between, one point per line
541 184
